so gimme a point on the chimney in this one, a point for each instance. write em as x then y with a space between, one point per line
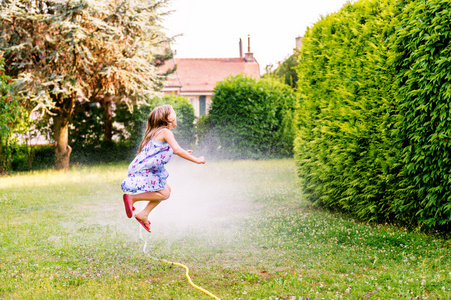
249 43
241 48
299 42
249 56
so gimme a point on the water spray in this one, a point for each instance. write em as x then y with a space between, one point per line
177 264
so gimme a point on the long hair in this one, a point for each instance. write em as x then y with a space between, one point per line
158 118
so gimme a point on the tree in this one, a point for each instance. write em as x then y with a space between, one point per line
286 70
65 51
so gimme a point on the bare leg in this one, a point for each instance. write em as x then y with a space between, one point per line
154 199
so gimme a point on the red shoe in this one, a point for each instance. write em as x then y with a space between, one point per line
129 208
144 224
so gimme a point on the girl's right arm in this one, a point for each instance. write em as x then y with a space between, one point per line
170 139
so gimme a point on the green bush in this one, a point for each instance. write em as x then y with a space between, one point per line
12 119
26 158
345 155
422 47
252 118
43 157
21 160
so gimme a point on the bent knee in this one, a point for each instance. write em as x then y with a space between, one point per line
166 193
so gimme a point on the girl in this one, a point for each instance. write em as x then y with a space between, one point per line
146 173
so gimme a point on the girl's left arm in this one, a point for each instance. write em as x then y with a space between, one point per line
170 139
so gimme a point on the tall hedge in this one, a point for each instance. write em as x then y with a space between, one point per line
345 155
422 46
253 118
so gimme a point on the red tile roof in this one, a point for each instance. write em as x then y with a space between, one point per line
201 74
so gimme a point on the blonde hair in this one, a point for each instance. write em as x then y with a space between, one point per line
158 119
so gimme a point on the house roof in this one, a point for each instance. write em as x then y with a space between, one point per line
195 75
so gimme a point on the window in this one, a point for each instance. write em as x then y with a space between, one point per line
202 105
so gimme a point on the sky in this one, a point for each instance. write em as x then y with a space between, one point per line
212 28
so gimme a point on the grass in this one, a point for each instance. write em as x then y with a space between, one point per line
241 227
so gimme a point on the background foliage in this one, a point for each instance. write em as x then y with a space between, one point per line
344 153
286 70
252 118
87 138
12 120
130 126
422 48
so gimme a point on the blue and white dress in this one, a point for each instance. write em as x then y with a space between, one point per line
147 173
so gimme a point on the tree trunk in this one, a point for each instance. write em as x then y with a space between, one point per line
61 120
108 125
62 148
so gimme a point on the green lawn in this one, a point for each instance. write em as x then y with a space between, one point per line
241 227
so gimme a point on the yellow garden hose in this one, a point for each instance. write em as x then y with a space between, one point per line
189 279
177 264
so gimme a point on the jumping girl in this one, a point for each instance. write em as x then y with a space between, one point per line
146 174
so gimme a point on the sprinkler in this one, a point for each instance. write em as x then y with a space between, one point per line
177 264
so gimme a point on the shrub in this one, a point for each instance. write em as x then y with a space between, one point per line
253 118
422 47
26 158
12 120
344 153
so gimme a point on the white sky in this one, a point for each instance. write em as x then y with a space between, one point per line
212 28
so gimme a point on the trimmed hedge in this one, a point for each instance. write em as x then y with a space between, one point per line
252 118
345 156
422 47
374 112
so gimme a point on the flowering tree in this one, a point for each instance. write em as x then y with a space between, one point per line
65 51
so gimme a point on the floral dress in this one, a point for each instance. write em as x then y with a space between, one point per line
147 173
